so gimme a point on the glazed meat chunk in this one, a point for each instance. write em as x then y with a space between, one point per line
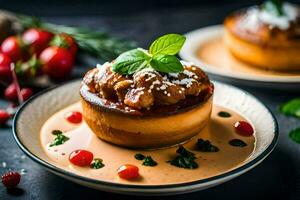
122 88
147 87
106 80
139 98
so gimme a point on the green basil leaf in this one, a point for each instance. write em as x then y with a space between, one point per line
291 108
131 61
295 135
274 7
168 44
166 64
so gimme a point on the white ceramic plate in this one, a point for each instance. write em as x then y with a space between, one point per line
31 116
197 38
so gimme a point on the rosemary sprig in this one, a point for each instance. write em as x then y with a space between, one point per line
91 42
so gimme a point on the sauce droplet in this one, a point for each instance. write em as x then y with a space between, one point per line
81 157
128 172
74 117
243 128
237 143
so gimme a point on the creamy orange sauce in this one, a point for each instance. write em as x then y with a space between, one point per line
219 131
216 48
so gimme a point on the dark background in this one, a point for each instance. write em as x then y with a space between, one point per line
278 177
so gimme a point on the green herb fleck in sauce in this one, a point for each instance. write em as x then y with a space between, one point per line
149 161
139 156
295 135
206 146
185 159
56 132
224 114
97 163
237 143
59 139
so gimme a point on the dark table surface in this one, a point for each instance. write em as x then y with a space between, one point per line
278 177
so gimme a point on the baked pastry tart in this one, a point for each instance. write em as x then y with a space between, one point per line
266 36
147 99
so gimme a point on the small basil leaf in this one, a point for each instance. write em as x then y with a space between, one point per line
131 61
168 44
274 7
166 64
291 108
295 135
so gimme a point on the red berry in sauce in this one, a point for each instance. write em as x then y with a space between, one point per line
4 116
74 117
128 172
11 93
26 93
243 128
81 158
11 179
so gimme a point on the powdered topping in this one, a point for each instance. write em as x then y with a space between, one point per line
147 87
255 16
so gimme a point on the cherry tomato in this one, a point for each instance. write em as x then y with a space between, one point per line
11 93
4 116
81 157
72 46
37 39
57 62
128 172
243 128
5 60
26 93
74 117
5 72
11 47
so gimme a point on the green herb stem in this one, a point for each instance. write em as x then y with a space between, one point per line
91 42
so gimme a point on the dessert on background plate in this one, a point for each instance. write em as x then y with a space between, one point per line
257 46
266 36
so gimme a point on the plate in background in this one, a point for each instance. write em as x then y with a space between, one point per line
204 47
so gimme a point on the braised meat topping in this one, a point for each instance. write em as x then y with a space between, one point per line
147 87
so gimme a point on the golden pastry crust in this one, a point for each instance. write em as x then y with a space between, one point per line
174 120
